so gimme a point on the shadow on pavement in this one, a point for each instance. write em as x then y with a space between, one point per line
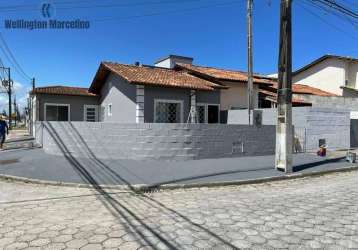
125 210
316 164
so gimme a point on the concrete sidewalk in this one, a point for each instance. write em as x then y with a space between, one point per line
35 164
19 138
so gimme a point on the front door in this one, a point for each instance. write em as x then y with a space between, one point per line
213 113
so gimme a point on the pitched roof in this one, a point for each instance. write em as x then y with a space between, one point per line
150 75
322 58
62 90
272 96
224 74
305 89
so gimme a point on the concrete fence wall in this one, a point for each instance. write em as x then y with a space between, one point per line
155 141
334 102
311 124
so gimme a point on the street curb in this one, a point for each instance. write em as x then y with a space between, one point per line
150 188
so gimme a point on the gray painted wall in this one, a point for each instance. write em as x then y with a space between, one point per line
311 124
155 141
152 93
122 95
76 104
354 133
340 102
212 97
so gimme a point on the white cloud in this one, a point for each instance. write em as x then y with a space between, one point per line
21 92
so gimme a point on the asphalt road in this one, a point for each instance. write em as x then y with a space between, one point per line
38 165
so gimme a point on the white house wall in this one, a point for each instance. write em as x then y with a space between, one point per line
352 74
122 96
170 62
328 75
236 96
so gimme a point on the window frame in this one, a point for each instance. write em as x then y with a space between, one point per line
206 110
58 105
181 102
110 109
85 112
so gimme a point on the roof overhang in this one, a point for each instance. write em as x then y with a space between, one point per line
321 59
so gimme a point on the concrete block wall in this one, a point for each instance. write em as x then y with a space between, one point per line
155 141
335 102
311 124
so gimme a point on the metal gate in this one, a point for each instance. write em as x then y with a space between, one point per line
299 140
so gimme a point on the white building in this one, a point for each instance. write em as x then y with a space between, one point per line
335 74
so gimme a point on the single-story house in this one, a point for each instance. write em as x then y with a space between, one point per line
172 91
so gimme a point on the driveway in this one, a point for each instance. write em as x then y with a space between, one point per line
36 164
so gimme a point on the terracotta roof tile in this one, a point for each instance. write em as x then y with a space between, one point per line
154 76
223 74
305 89
62 90
272 96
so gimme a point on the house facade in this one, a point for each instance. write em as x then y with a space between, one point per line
172 91
335 74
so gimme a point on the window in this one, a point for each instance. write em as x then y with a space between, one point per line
168 111
110 109
90 113
207 113
57 112
201 114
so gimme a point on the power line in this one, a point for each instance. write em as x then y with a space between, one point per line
338 7
328 10
325 21
11 58
164 12
352 2
333 4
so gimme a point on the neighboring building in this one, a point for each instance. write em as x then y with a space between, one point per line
165 93
61 103
235 96
335 74
300 94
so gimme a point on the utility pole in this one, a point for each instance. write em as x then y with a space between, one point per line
284 129
249 59
10 94
8 85
33 83
15 109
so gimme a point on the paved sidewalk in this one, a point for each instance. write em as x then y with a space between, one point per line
310 213
18 138
38 165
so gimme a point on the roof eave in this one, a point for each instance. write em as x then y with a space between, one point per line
320 59
171 86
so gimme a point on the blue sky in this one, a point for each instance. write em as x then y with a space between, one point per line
213 36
